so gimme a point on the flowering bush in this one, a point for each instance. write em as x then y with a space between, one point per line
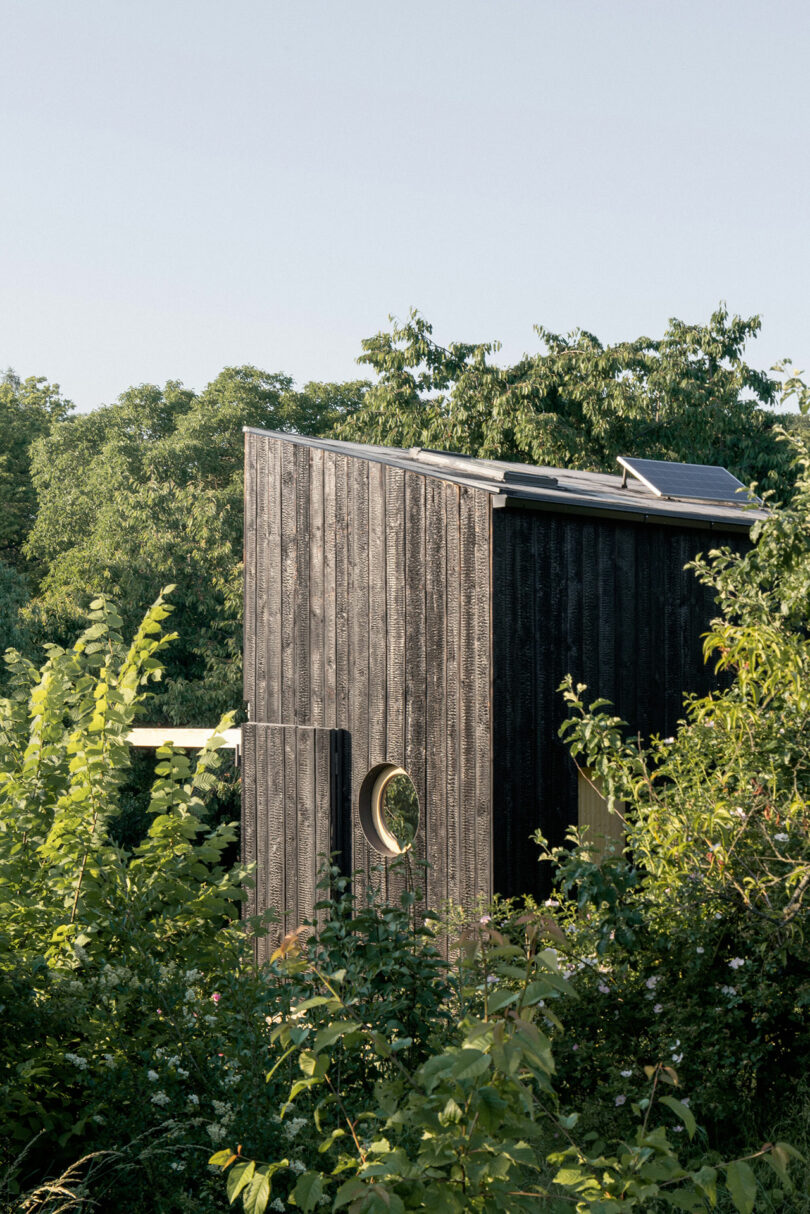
136 1025
691 945
476 1125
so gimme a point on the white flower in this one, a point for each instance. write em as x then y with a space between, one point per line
736 962
192 975
221 1109
278 1204
109 1061
659 1007
668 741
619 1101
77 1061
604 988
160 1098
677 1129
652 983
294 1126
728 990
190 995
181 1073
485 919
700 949
192 1099
216 1132
676 1058
685 1102
152 1076
625 1074
781 837
177 1166
298 1166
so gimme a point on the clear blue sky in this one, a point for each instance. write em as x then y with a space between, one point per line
193 185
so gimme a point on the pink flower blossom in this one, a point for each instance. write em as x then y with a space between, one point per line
215 998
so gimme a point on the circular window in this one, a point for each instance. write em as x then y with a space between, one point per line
389 809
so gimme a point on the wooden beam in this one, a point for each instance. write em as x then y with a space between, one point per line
183 739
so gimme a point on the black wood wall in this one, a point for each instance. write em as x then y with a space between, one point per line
609 602
293 784
367 609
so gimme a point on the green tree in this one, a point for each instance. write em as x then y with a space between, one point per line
688 396
28 409
149 490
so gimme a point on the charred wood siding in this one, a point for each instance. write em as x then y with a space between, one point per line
367 609
292 782
611 603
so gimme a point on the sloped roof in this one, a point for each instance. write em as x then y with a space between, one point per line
563 490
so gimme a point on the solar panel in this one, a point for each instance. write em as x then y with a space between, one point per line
702 482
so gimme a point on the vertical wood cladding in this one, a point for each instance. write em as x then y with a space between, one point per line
368 610
610 603
293 778
434 630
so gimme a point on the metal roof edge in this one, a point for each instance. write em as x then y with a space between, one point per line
670 512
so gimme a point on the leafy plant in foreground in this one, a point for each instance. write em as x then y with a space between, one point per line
473 1126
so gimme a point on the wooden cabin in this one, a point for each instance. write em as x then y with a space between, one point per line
409 616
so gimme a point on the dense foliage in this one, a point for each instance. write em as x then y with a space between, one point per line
139 493
688 396
637 1043
640 1042
28 409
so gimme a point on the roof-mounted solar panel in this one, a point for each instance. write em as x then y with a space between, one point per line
699 482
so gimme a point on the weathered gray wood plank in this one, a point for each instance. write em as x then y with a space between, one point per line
377 617
316 591
434 810
329 591
251 570
289 556
452 739
271 635
302 600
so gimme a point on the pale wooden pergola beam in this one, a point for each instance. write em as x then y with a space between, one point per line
154 736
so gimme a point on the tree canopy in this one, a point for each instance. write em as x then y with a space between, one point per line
149 491
688 396
28 409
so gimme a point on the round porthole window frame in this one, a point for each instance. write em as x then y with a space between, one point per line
370 807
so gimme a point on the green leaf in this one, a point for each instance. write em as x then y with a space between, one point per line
347 1192
501 999
257 1195
315 1065
308 1191
741 1184
683 1112
331 1033
470 1063
240 1176
221 1159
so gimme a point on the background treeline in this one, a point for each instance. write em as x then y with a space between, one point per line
148 490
